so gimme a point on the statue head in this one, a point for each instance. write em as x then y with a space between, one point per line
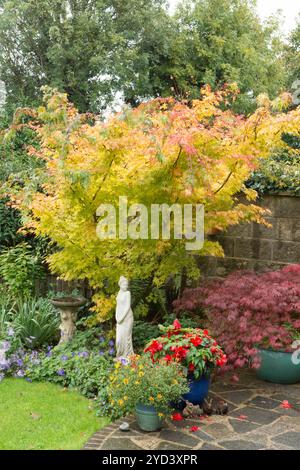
123 283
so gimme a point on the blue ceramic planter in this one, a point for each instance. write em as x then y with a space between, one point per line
198 389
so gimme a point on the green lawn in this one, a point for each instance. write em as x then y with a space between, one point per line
44 416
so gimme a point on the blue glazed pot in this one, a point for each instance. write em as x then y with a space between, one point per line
278 367
198 389
147 418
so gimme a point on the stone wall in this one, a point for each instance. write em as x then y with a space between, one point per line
254 246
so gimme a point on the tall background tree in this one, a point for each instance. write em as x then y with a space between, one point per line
293 55
87 48
93 48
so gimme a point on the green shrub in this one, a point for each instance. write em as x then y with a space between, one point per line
19 269
280 172
36 323
141 381
86 371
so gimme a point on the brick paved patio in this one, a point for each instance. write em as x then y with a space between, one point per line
256 421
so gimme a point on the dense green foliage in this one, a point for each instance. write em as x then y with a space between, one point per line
280 172
93 49
19 269
86 48
36 323
293 57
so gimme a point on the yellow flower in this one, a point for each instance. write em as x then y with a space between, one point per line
113 402
126 381
159 396
141 374
175 381
141 366
125 398
161 415
137 382
151 399
121 402
117 365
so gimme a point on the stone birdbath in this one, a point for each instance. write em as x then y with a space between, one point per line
68 308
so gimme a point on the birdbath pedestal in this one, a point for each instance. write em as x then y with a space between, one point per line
68 308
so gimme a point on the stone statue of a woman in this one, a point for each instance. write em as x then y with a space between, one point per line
124 318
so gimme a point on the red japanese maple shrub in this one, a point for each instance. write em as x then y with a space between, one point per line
249 310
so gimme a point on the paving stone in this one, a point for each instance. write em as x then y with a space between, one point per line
217 430
264 402
170 446
240 444
290 438
238 397
203 436
119 444
223 387
211 447
179 437
240 426
289 412
292 397
256 415
278 427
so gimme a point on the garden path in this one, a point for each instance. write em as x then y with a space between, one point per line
259 418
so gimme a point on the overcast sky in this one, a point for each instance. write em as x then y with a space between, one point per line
290 9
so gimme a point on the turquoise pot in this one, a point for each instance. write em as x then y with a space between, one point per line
278 367
147 418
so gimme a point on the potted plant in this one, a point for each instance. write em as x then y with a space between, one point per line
195 350
146 388
256 319
281 365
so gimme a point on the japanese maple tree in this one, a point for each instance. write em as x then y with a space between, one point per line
163 151
247 311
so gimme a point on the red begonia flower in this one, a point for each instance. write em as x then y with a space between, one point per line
194 429
176 324
177 417
286 404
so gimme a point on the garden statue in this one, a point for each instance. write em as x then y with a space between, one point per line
124 319
68 307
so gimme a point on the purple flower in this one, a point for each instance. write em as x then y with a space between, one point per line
101 339
28 379
111 352
64 358
124 361
101 353
111 343
10 331
5 345
61 372
19 362
20 373
83 354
